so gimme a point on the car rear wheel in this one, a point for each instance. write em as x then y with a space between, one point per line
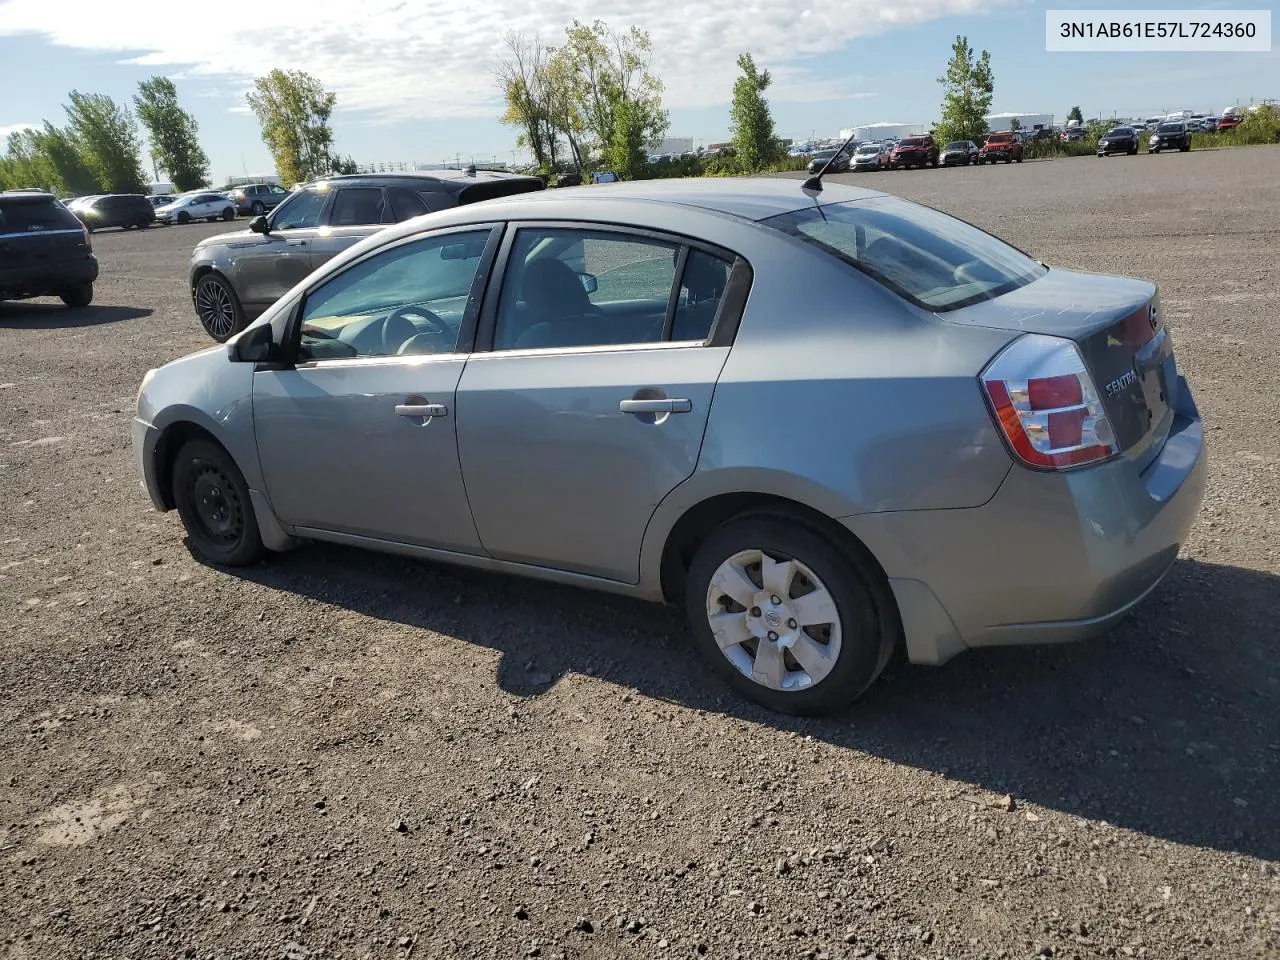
218 308
213 501
258 209
80 296
184 217
142 224
785 617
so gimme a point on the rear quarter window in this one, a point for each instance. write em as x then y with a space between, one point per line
930 259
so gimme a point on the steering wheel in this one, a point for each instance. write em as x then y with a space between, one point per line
397 327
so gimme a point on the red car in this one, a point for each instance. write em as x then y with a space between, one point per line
1001 146
1228 122
914 152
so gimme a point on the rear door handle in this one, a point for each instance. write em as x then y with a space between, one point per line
668 405
296 243
421 410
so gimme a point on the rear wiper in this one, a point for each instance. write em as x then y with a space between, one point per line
815 182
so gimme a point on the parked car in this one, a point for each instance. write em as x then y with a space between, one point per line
1210 124
235 276
604 176
205 205
839 160
1006 146
44 250
871 156
960 153
124 210
1228 122
914 152
488 432
569 180
1073 134
1118 140
257 198
1174 134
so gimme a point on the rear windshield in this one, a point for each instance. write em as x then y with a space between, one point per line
19 216
935 261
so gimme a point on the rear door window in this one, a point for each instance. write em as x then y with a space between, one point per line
406 204
356 206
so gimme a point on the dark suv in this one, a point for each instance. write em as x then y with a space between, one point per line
123 210
44 250
235 276
1169 136
914 152
257 198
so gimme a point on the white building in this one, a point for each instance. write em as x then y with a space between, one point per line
1026 121
673 145
881 131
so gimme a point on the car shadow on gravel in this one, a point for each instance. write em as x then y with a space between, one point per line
1167 726
23 314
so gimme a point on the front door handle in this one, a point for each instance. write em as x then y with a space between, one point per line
666 405
421 410
296 243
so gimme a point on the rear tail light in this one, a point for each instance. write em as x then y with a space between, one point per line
88 243
1045 404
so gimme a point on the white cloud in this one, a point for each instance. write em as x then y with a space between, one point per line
407 61
15 128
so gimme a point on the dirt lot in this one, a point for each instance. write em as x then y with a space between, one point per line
344 755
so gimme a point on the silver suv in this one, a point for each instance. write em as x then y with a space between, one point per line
236 276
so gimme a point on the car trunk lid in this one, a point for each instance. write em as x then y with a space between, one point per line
1117 325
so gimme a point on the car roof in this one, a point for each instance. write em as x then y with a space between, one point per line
31 196
452 180
747 198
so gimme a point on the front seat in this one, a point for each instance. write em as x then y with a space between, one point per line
560 314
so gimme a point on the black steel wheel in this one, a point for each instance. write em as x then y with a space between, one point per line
213 501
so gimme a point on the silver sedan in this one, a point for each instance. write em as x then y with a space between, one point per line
828 422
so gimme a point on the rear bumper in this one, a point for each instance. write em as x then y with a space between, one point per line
48 279
1051 557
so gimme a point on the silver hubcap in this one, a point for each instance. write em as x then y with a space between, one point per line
218 314
774 620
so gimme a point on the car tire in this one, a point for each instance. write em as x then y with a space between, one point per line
184 217
862 631
144 224
1019 159
77 297
212 498
258 209
218 308
229 213
934 163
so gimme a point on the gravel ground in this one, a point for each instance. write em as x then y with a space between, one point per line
345 755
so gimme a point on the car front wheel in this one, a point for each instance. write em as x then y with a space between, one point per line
80 296
213 501
218 308
258 209
184 217
785 617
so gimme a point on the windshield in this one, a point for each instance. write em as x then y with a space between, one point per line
935 261
1169 128
1120 132
957 145
869 148
912 142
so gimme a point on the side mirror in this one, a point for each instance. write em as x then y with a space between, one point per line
255 345
589 283
259 225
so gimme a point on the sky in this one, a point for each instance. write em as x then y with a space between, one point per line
415 81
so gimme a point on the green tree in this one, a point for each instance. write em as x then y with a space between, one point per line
25 164
625 153
969 87
610 69
72 173
294 109
107 139
1076 115
522 75
750 122
172 131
